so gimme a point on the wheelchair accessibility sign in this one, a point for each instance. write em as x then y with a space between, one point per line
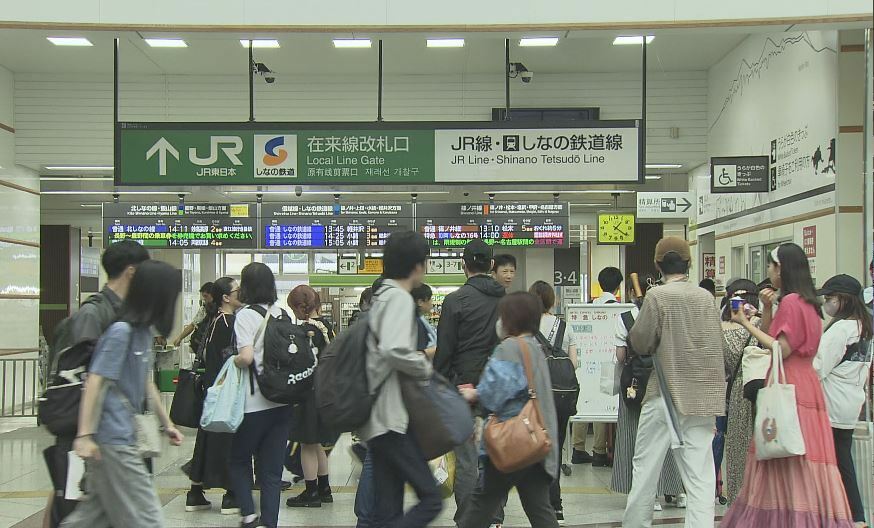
740 174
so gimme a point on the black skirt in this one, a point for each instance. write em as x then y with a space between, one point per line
307 426
209 461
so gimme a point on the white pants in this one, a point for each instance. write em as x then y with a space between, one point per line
694 460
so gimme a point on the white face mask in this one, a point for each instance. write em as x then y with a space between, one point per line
831 307
499 328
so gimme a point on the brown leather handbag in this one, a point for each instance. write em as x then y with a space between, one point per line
522 440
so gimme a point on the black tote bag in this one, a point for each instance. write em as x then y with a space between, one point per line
188 401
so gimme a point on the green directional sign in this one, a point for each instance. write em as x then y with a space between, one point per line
374 154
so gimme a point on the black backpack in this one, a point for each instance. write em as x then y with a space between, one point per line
343 396
635 372
288 364
565 385
58 406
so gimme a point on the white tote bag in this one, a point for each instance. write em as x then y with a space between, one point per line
777 430
611 373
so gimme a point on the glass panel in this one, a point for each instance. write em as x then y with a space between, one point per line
756 264
271 260
295 263
235 262
325 263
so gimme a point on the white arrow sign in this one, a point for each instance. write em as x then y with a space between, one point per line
665 204
162 147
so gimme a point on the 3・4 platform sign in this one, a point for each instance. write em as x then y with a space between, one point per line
359 153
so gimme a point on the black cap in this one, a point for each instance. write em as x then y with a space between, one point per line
476 249
840 284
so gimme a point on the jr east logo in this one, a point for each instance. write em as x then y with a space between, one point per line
275 156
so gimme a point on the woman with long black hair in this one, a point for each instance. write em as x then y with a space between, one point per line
119 382
804 490
843 363
209 462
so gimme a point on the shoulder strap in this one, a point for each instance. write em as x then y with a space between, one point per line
611 301
559 338
552 332
526 361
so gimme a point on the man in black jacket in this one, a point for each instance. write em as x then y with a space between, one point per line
466 337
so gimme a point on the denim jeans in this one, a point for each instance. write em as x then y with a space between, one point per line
365 497
398 460
263 434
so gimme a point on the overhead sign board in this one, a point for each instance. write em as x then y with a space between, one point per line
739 174
367 153
332 226
656 205
183 226
501 224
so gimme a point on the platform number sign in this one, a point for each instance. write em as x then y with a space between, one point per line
567 267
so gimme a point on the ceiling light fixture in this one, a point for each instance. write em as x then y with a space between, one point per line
69 41
166 43
606 191
75 178
601 204
663 165
446 43
632 40
344 193
260 43
80 167
653 177
113 192
91 205
527 42
352 43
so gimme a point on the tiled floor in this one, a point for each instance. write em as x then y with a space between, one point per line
24 485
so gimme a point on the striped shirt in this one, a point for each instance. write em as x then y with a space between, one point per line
680 325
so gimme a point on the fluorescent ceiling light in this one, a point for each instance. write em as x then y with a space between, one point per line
69 41
602 204
607 191
341 193
446 43
166 43
653 177
75 178
91 205
80 167
351 43
122 193
631 40
663 165
260 43
538 41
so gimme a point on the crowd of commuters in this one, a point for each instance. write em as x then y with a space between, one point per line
492 344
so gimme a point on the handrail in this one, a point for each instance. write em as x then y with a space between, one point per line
15 351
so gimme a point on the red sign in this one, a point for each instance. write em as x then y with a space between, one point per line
722 265
709 265
809 240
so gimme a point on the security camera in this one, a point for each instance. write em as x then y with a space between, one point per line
415 197
518 70
261 69
467 193
298 190
259 198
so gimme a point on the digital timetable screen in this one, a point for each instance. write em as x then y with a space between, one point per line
504 224
181 226
332 226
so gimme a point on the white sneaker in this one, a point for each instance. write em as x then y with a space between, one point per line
681 500
657 506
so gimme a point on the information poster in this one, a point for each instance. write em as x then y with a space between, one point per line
332 226
501 224
182 226
592 328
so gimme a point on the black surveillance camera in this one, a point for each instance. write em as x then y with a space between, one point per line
491 196
115 197
518 70
466 193
261 69
298 190
259 197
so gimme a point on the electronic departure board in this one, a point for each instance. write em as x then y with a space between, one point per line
333 226
188 226
500 224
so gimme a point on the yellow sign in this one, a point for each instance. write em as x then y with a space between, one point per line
372 266
239 210
615 228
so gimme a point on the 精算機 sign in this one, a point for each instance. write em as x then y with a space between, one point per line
383 153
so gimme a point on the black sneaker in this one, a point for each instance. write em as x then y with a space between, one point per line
229 505
559 515
307 499
326 496
283 485
600 460
581 457
254 524
195 501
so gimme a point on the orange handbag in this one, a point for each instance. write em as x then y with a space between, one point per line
522 440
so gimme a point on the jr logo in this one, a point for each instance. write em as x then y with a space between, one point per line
273 155
232 151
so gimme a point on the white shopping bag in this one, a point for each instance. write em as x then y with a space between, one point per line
777 429
75 474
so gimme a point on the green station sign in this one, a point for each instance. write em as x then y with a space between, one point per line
386 153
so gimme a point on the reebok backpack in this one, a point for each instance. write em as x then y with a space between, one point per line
288 364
